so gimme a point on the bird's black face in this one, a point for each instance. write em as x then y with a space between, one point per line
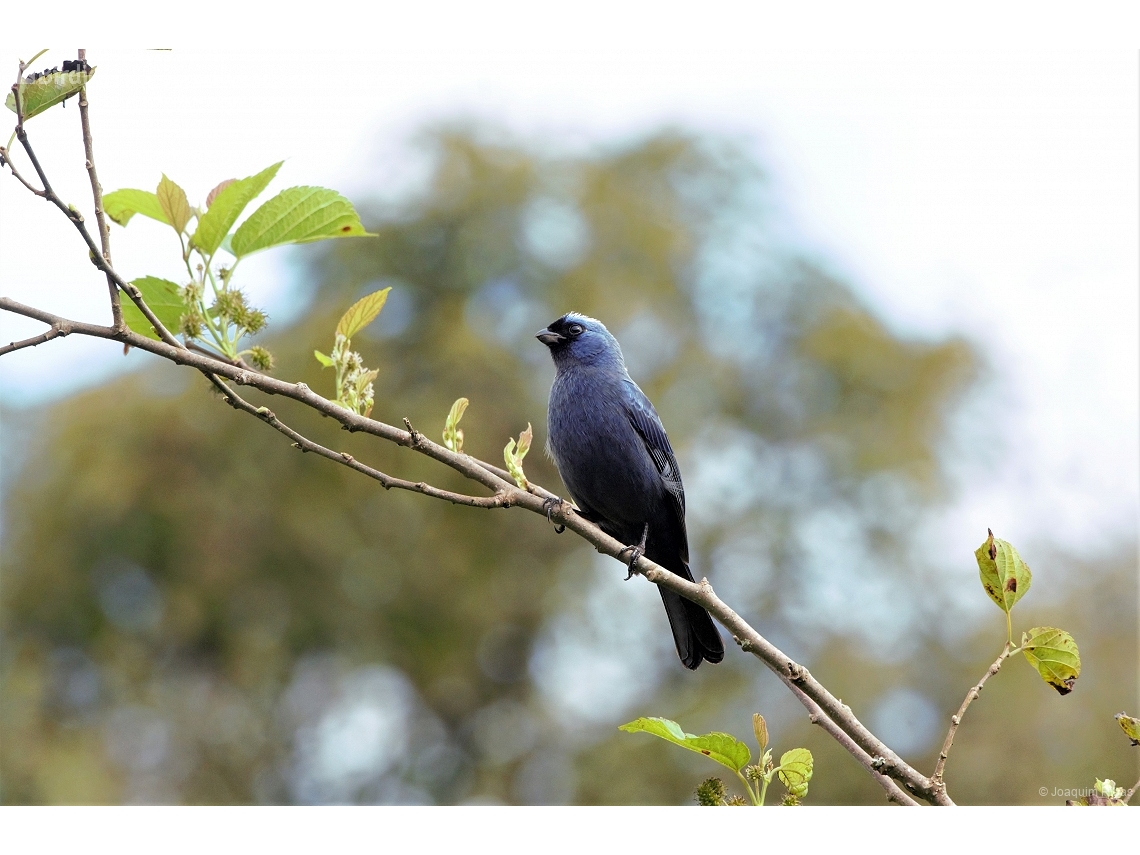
577 339
562 332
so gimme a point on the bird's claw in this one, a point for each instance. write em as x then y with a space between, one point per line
548 506
635 552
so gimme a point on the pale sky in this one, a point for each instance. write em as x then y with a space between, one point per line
989 193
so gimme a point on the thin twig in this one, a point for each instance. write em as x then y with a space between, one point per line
97 195
237 363
501 499
56 331
6 160
956 720
97 259
1128 796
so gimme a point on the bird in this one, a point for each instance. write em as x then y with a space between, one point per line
613 455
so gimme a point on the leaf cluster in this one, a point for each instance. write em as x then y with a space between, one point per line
1006 579
794 769
207 307
354 390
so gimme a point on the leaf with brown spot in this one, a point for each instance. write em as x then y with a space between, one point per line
298 215
1005 576
47 91
1053 652
1130 726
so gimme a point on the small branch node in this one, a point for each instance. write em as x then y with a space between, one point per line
414 436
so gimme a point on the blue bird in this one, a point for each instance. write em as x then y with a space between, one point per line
611 450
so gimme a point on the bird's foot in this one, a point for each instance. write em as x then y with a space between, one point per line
635 552
548 506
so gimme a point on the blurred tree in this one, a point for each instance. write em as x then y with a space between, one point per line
193 612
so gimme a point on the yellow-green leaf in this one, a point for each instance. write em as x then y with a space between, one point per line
47 91
513 456
225 204
324 360
452 435
361 313
1130 726
724 748
795 771
164 299
121 205
297 215
760 729
1004 575
172 199
218 188
1054 654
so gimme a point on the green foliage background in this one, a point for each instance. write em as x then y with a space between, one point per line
195 612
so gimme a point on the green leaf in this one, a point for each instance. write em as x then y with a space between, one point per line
1054 654
172 199
452 436
121 205
297 215
225 204
47 91
513 456
795 771
1130 726
218 188
164 299
324 360
361 313
724 748
1004 575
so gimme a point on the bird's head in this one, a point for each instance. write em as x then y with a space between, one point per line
575 338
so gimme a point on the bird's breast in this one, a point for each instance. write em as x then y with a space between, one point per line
601 458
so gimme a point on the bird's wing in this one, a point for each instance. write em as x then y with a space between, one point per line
647 424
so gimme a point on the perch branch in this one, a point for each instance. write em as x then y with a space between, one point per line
879 760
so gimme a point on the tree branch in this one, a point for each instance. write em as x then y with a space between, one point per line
817 716
97 195
501 499
880 760
823 708
956 720
56 331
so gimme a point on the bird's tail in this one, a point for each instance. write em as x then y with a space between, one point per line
694 632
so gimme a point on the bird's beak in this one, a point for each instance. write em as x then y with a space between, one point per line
550 338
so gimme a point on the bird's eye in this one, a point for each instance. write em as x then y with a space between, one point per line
575 329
